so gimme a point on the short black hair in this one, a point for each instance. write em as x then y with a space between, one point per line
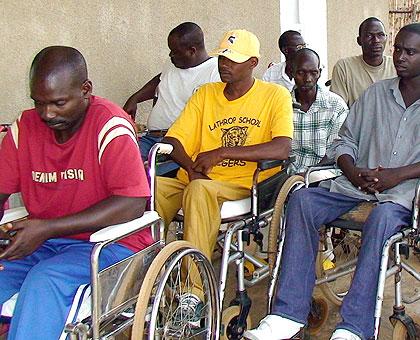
285 36
189 34
366 21
58 58
303 51
413 28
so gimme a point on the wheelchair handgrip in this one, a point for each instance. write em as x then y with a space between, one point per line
164 148
325 166
272 163
4 127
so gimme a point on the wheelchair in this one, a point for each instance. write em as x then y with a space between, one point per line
137 297
243 220
340 242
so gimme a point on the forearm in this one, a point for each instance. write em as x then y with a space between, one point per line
409 171
278 148
147 91
178 154
346 164
113 210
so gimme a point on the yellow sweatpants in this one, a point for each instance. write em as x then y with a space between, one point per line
200 201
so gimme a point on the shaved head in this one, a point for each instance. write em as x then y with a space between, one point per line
286 36
413 28
304 54
368 21
60 89
57 60
189 34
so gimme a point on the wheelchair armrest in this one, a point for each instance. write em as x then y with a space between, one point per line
272 163
118 231
331 165
416 206
11 215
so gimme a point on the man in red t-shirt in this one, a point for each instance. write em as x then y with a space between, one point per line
75 159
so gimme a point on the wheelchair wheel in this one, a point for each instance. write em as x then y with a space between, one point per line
337 256
164 284
317 316
400 331
290 185
229 319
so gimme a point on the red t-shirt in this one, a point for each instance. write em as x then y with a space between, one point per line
100 160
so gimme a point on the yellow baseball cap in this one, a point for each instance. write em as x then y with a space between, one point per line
238 46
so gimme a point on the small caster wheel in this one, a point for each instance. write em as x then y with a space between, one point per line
249 269
229 321
317 316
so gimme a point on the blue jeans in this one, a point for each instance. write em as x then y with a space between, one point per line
307 210
47 281
146 142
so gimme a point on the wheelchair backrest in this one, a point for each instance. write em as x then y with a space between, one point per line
268 189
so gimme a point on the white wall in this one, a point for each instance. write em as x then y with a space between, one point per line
309 17
344 18
124 41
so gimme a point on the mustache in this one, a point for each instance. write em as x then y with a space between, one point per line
224 71
52 122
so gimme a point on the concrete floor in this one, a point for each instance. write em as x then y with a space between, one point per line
258 294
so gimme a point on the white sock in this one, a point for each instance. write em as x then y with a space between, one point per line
344 334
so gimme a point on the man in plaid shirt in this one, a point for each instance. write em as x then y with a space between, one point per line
317 115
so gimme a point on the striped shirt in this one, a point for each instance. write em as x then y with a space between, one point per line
315 130
100 160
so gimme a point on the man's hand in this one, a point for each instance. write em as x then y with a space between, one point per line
364 179
30 234
373 181
192 175
130 107
387 178
205 161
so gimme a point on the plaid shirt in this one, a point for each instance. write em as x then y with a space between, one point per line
315 130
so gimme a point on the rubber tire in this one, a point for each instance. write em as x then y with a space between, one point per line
152 275
400 331
227 316
327 288
273 234
315 328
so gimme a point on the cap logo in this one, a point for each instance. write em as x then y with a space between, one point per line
232 39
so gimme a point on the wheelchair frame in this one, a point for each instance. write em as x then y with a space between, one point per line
106 301
116 289
236 317
409 236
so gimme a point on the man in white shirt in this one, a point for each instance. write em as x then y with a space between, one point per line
281 73
190 68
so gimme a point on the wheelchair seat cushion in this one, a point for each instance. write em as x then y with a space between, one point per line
237 208
230 209
355 218
360 213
